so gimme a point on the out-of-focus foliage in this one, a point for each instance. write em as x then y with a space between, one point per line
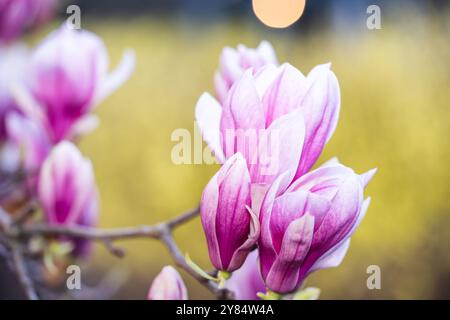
395 116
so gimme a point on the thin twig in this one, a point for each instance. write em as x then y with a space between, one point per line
114 250
161 231
183 218
87 232
22 273
105 235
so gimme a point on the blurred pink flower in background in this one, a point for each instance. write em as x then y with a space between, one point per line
67 190
22 155
16 136
168 285
234 62
69 76
47 96
13 66
307 226
16 16
29 140
231 229
246 282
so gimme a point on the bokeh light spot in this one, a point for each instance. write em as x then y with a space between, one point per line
278 13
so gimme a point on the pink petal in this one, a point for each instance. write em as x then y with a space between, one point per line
266 248
266 51
224 214
116 78
246 282
264 78
320 105
221 87
332 258
229 65
284 273
208 210
285 93
208 113
241 253
367 176
323 180
66 185
168 285
233 220
291 206
331 162
345 207
279 149
242 118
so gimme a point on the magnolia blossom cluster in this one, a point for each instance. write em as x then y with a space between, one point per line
266 206
47 96
269 218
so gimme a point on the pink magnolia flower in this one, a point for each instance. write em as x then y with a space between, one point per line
277 118
67 191
246 282
168 285
13 65
307 226
18 15
21 155
233 63
69 77
24 143
28 140
231 229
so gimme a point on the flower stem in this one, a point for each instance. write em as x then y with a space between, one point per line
223 276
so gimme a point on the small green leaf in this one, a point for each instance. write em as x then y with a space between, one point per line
261 295
198 270
49 262
310 293
61 249
269 295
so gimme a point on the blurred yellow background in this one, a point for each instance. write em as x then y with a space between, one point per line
395 116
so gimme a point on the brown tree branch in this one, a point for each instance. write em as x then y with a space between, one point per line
88 233
162 231
183 218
